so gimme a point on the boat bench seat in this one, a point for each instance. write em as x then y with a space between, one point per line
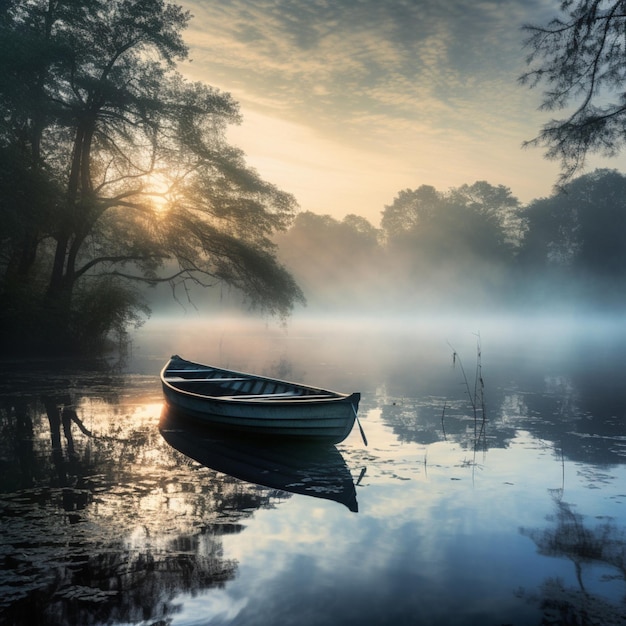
179 379
277 396
267 396
188 370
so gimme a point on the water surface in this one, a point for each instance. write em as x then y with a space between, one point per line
444 518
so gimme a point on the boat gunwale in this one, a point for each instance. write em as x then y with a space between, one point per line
325 396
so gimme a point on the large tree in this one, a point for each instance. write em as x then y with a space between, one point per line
580 232
122 171
477 221
580 59
455 245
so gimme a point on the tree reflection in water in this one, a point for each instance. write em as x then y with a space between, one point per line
577 408
603 547
102 521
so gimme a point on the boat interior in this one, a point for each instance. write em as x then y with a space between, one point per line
219 383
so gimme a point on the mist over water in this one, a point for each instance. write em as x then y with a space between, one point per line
362 346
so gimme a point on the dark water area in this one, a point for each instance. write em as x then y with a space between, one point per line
505 508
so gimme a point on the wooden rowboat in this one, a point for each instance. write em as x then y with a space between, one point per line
252 405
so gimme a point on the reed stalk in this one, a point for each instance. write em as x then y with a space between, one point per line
477 395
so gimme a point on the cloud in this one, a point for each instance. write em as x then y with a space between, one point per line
330 59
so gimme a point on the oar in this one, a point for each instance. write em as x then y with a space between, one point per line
359 423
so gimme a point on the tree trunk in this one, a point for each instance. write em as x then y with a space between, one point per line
27 252
70 235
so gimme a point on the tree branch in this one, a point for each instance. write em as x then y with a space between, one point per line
118 259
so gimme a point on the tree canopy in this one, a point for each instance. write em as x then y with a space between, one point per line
581 229
580 59
475 220
115 171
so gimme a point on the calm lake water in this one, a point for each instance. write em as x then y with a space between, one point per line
443 518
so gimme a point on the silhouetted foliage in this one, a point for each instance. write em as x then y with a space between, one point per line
454 244
409 208
577 235
113 168
580 58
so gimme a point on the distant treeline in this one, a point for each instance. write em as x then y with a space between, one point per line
472 246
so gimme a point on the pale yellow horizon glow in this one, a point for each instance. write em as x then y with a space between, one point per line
325 176
335 178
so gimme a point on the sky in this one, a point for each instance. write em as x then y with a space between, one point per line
347 102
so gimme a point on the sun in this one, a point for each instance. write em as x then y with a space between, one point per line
157 190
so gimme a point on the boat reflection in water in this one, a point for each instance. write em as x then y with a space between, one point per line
306 469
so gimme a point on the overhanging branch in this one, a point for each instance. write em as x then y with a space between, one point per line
118 259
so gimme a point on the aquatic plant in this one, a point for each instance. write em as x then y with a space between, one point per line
476 395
